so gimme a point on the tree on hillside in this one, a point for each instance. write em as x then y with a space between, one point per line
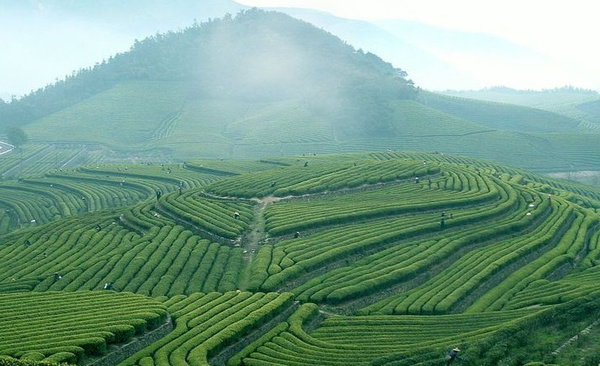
16 136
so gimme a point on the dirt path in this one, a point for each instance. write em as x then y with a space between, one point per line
251 241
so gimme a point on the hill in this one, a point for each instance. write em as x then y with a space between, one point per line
279 59
327 259
264 84
576 103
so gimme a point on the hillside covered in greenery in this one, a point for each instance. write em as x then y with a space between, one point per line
263 84
580 104
256 57
377 258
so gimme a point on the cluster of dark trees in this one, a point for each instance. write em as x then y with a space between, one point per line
254 56
16 136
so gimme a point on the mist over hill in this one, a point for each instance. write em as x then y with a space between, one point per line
263 83
258 57
397 47
435 57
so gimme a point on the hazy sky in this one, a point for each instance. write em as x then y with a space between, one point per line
564 31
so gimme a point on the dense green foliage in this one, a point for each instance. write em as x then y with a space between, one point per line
74 324
394 258
207 322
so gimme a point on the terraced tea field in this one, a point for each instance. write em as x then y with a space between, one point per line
351 259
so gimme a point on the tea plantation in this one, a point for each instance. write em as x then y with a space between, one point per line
380 258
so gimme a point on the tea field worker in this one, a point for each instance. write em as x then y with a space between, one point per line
236 215
108 286
297 235
305 164
416 179
452 355
57 277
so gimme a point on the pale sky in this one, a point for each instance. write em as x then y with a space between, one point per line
566 31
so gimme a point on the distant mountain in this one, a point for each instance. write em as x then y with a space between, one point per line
262 84
580 104
258 58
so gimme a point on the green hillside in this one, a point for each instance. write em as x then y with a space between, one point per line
256 57
575 103
218 128
264 84
507 117
379 258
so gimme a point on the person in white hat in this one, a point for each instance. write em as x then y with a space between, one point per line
452 355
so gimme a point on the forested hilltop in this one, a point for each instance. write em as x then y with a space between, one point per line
256 56
260 84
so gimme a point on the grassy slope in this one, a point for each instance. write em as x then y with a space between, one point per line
574 104
164 115
541 100
125 116
501 116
